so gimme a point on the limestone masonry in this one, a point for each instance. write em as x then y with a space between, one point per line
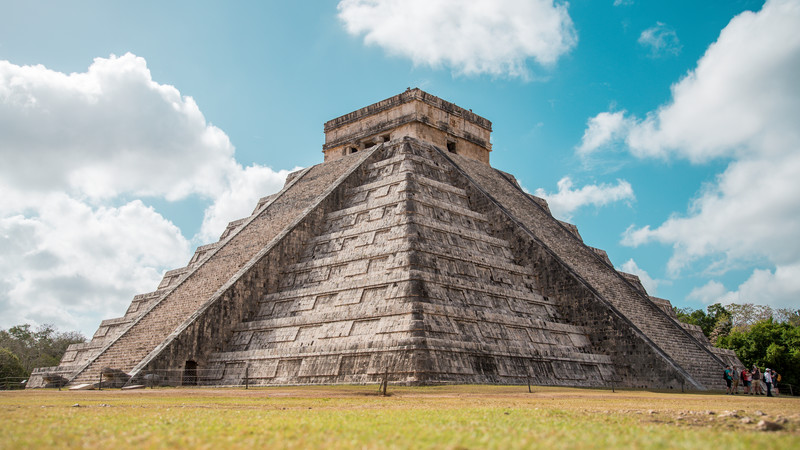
406 256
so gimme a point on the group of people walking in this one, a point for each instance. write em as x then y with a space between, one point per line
751 380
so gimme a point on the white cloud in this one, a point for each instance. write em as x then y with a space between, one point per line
650 284
107 131
779 288
113 131
749 214
567 200
710 293
742 99
494 37
661 40
77 150
71 264
623 2
603 129
741 104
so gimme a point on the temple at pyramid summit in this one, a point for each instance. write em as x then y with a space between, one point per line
404 256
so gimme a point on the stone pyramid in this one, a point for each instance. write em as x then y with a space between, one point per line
404 255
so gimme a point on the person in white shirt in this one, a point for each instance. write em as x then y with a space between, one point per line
768 382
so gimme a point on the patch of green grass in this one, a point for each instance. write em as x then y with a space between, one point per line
412 417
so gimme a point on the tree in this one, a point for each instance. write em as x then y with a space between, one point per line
708 322
792 317
722 328
746 314
43 347
768 344
11 369
758 334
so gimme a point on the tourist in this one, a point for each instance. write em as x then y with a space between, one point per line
756 373
746 380
768 381
736 376
776 377
728 376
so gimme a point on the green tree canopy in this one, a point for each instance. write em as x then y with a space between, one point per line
10 368
42 347
758 334
768 344
716 315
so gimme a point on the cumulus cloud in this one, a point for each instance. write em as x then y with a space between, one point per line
779 288
740 104
568 199
749 214
71 263
494 37
741 100
603 129
660 40
114 131
709 293
76 149
650 284
105 131
623 2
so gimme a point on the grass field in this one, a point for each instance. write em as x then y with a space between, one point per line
411 417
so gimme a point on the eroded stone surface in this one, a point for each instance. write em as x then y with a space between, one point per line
414 113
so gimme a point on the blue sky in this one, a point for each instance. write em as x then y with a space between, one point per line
131 132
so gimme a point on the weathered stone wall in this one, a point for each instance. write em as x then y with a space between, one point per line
210 328
413 113
487 319
595 273
341 313
197 286
636 362
405 279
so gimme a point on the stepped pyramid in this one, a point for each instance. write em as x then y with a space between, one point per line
404 255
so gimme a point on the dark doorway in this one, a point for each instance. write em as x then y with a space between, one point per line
190 374
451 147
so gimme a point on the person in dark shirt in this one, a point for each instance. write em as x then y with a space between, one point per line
776 377
736 377
758 390
728 376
